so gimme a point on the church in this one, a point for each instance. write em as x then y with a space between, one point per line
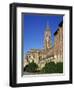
49 53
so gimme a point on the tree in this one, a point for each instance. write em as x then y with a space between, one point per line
60 67
32 67
49 68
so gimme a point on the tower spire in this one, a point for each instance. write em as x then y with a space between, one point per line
47 37
47 26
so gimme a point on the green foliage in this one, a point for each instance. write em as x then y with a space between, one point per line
60 67
50 67
31 67
53 68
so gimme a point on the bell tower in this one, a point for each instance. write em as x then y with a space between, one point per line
47 38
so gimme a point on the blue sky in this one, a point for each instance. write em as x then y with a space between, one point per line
34 26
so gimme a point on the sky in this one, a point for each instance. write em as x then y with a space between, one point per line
34 26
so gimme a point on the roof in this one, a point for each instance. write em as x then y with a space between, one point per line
56 32
60 25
